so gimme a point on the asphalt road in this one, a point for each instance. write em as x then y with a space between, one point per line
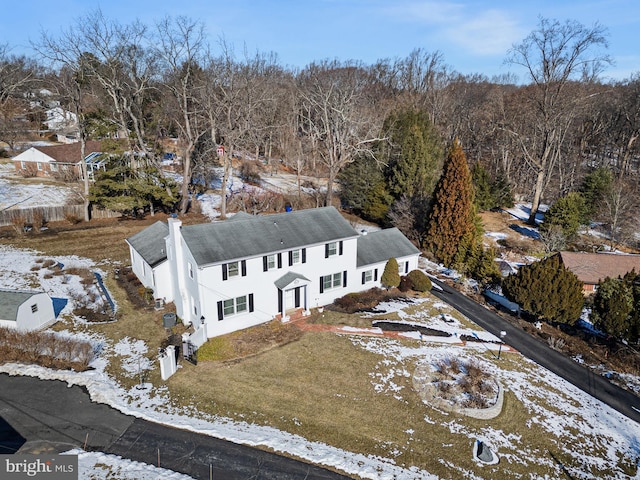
595 385
47 416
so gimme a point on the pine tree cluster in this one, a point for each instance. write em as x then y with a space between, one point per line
547 290
616 307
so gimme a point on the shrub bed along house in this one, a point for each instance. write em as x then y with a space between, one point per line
362 301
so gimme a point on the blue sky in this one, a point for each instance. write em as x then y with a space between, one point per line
472 35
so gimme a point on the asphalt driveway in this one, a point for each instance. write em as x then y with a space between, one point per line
48 416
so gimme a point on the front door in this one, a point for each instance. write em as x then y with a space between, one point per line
289 299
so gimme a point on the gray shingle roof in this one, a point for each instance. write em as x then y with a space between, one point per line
258 235
10 300
376 247
150 244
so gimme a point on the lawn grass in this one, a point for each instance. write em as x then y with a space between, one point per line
325 387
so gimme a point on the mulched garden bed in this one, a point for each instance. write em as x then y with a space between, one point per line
406 327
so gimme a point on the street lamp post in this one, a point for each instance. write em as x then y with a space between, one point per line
502 335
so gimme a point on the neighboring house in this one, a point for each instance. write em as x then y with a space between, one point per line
250 269
58 118
591 268
55 160
26 310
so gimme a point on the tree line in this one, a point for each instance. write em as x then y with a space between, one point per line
410 141
389 122
540 137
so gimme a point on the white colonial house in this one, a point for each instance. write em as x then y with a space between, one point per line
230 275
26 310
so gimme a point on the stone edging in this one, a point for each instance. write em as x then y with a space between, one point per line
428 393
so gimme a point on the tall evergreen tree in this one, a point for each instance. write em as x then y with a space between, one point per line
413 154
363 189
612 307
568 213
490 192
451 224
616 307
133 192
547 290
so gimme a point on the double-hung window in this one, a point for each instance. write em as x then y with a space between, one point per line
234 269
331 281
234 306
370 275
297 256
332 249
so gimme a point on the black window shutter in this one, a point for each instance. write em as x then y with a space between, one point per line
279 300
297 294
251 302
224 271
406 267
280 260
340 247
326 251
375 275
220 311
363 277
304 255
321 285
265 265
344 278
244 268
290 257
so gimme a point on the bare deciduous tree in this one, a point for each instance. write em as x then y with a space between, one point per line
73 85
553 55
180 48
337 116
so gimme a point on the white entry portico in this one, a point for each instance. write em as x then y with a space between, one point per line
293 293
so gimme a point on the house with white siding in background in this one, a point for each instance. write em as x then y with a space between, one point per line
250 269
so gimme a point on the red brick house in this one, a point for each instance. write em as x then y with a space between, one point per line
54 160
591 268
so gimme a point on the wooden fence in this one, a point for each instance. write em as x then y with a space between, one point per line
54 213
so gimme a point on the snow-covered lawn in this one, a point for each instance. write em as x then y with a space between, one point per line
570 417
15 193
